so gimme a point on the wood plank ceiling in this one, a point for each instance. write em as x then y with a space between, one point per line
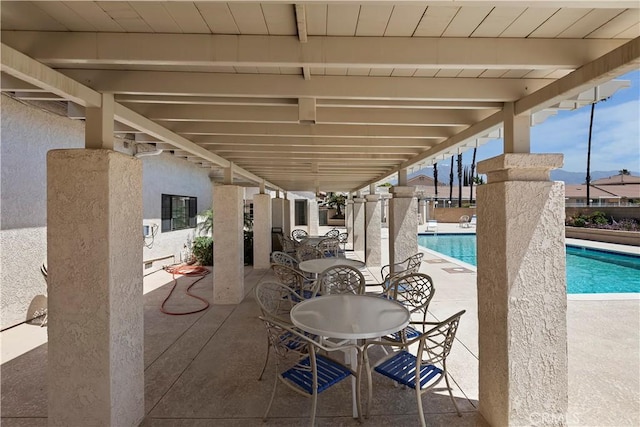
317 96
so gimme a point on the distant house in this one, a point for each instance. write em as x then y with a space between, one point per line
617 190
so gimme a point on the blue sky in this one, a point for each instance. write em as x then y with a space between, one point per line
615 142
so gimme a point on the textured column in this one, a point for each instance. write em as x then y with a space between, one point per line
422 206
373 249
358 226
403 224
313 217
94 244
286 223
348 221
277 213
521 284
228 244
261 231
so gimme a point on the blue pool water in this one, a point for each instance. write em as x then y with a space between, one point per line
588 270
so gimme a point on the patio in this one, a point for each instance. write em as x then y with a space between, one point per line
201 369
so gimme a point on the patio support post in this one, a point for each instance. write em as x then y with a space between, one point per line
522 302
314 219
423 211
228 244
373 249
403 224
358 226
261 231
94 245
348 220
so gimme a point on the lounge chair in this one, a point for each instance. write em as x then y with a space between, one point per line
473 221
432 225
464 221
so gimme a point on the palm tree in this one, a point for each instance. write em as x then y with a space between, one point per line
337 201
451 180
593 106
435 178
473 169
459 180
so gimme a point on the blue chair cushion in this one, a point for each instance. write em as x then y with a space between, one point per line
411 334
402 368
329 373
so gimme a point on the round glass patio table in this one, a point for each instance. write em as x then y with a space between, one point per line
319 265
352 317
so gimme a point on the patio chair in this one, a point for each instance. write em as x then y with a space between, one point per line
282 258
432 225
330 247
310 372
463 222
340 279
406 266
414 291
275 301
299 234
288 244
342 238
434 345
307 252
474 220
295 280
332 233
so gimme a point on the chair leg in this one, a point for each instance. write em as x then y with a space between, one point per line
423 423
446 379
369 384
314 404
266 359
273 394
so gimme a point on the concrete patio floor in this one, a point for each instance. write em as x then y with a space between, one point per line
202 369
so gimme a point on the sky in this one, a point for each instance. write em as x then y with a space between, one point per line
615 141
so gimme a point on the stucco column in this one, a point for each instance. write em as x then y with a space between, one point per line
403 224
313 217
261 231
373 249
422 206
94 245
522 300
228 244
348 221
358 226
286 219
277 213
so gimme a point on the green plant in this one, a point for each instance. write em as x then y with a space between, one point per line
337 201
206 225
202 250
579 222
599 218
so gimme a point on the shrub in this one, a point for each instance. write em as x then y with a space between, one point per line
598 218
202 250
579 222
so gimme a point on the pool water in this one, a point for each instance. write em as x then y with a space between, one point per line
588 270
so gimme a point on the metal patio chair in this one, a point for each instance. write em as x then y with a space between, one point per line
330 247
309 372
282 258
275 301
340 279
307 252
430 361
299 234
294 279
333 233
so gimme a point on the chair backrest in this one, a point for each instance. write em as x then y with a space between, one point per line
275 300
282 258
329 247
287 243
435 343
299 234
343 237
341 279
289 276
332 233
307 252
414 262
414 291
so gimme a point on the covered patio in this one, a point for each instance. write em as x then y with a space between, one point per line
313 97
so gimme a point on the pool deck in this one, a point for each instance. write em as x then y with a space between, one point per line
184 388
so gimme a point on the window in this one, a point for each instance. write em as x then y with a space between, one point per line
178 212
301 212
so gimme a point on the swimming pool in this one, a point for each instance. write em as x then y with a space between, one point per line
588 270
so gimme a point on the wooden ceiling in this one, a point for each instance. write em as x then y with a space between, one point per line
315 96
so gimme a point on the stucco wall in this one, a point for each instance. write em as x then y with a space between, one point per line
23 200
165 174
28 133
